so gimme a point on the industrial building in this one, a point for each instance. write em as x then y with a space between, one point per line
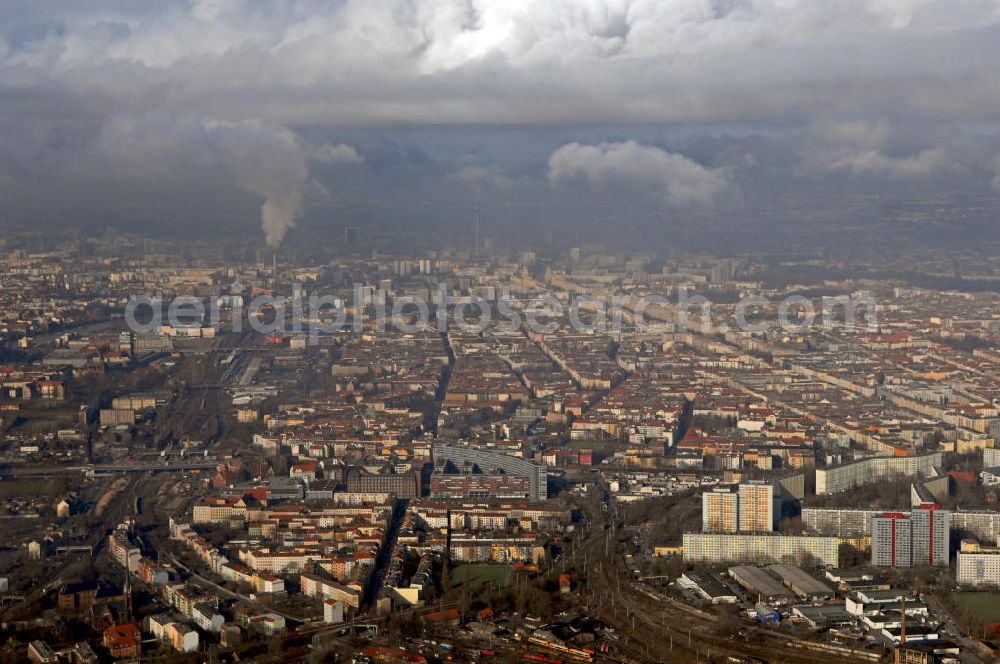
761 584
823 615
802 584
707 587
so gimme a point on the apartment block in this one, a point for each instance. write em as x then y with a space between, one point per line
920 538
756 512
930 535
891 533
838 522
991 455
837 479
760 548
977 565
720 511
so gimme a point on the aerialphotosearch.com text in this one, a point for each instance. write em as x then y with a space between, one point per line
317 314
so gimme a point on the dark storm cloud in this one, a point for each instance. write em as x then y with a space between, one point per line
423 61
748 96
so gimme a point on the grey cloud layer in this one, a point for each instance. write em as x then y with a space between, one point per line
840 92
481 61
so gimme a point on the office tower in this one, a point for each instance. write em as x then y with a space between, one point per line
891 540
756 512
929 537
720 511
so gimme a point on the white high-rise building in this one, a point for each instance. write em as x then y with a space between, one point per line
929 537
977 565
891 535
720 511
756 510
919 538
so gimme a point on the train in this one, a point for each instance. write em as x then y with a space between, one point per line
541 658
574 654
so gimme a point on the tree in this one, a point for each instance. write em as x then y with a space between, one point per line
850 556
728 622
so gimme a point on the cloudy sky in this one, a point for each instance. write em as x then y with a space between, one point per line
631 116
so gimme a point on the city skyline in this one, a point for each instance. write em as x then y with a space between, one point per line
591 331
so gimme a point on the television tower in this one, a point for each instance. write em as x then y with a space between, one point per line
475 251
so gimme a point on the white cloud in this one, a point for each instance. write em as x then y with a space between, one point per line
478 174
680 180
869 149
339 153
921 165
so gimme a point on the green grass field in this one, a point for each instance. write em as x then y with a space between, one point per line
475 575
48 423
43 405
985 606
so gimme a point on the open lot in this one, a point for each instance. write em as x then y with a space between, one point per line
474 576
985 606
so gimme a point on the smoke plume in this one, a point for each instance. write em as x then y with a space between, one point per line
262 160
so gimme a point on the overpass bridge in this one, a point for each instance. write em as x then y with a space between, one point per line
151 467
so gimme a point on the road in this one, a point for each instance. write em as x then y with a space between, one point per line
383 557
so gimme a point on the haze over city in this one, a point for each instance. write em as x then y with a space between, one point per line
519 331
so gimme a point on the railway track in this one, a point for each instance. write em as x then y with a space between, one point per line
651 628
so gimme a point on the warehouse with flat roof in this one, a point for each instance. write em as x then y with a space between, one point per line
802 584
762 583
823 615
707 587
